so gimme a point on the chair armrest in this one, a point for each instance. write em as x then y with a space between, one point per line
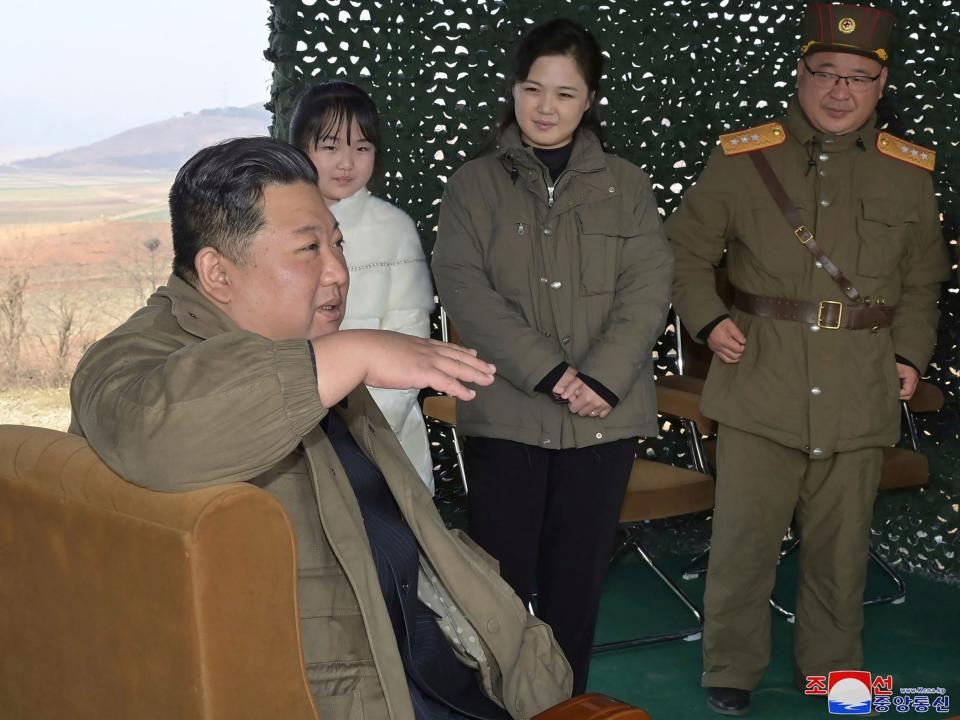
592 706
125 602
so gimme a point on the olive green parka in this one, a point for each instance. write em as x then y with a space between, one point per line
535 273
179 398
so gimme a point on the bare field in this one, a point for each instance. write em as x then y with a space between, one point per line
74 263
40 407
28 197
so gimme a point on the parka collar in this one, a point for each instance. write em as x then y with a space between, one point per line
799 127
586 157
194 312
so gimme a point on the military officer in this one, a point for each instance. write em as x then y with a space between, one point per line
833 243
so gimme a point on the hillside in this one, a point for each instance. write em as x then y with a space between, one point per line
163 145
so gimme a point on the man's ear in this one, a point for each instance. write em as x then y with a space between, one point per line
214 275
882 81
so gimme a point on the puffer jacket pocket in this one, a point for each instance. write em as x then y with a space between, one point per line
883 228
332 628
509 256
603 230
340 689
541 676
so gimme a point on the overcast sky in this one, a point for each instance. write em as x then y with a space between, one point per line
76 71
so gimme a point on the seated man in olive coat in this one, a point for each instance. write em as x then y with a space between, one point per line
236 371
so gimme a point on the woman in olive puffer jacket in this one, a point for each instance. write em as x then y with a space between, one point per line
551 262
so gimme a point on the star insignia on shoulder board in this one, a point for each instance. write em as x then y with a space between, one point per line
757 138
906 151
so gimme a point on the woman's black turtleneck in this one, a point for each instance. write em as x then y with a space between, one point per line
555 159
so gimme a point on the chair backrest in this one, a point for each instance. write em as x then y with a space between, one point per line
120 602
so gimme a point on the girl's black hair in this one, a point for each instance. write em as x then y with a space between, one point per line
559 36
324 110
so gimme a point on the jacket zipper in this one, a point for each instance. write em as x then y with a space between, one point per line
550 196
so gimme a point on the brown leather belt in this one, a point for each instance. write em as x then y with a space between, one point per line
828 314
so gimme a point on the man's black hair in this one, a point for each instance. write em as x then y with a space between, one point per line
216 198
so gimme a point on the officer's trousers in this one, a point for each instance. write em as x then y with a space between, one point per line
760 485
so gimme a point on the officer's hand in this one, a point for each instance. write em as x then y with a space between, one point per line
727 341
909 378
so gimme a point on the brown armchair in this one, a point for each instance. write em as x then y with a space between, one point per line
120 602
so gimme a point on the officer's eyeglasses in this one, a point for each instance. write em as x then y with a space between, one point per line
828 80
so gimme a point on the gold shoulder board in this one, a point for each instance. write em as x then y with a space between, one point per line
755 138
892 146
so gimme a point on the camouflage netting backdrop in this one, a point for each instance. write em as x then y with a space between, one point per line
679 72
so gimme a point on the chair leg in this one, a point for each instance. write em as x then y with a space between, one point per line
696 567
697 452
693 633
898 597
911 427
792 543
459 453
900 593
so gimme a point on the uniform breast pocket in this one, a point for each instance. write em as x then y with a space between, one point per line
883 229
509 257
601 239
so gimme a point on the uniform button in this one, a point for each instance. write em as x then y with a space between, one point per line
565 340
823 157
611 189
816 452
824 203
556 284
815 391
545 442
404 587
493 625
599 436
818 264
814 328
547 231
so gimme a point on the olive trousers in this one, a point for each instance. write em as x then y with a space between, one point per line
761 487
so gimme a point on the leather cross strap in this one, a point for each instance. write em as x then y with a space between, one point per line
799 229
828 314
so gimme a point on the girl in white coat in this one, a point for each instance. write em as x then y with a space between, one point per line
337 124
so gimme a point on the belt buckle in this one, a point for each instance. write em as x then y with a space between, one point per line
803 234
839 314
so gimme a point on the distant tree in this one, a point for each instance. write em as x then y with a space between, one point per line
13 322
68 316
